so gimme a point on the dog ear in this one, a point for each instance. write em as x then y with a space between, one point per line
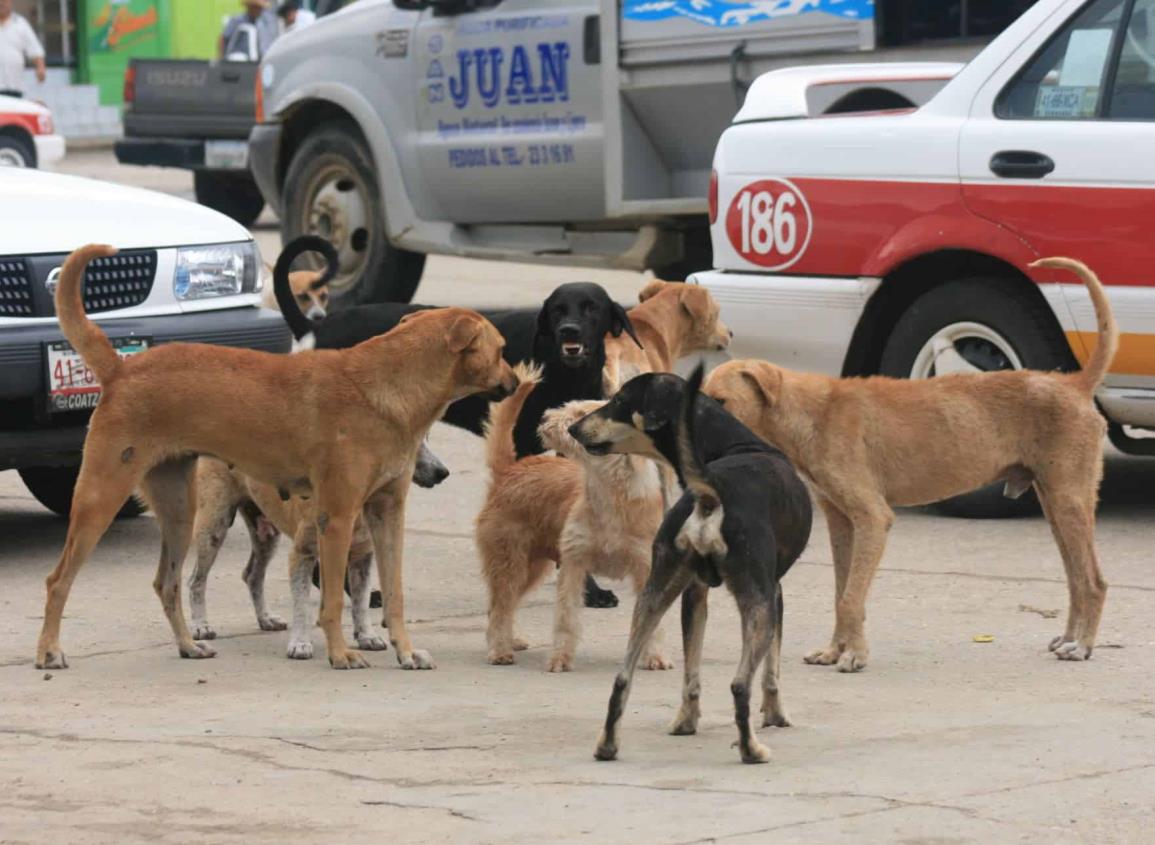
766 379
463 334
620 322
651 290
695 303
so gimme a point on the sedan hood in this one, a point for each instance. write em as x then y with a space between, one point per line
48 213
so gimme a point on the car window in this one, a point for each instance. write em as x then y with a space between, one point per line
1066 79
1133 92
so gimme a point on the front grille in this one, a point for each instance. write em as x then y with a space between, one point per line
15 289
119 281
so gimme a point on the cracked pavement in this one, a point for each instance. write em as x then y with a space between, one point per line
940 740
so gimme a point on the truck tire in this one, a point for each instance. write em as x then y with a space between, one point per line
974 325
16 152
234 194
331 190
52 487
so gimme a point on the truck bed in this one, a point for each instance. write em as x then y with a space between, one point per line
191 99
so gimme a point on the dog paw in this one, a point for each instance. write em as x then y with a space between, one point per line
755 752
1068 650
299 650
204 631
197 651
500 658
776 720
371 642
417 659
52 660
852 660
560 663
269 623
606 750
599 598
348 659
685 723
824 656
655 662
519 644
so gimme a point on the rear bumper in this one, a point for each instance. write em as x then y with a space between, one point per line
184 153
801 322
264 149
49 149
30 438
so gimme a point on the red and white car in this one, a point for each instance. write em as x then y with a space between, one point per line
897 241
27 136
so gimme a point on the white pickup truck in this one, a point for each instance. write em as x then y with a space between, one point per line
565 131
898 241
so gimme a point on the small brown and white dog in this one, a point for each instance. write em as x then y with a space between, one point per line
590 514
870 444
672 320
310 290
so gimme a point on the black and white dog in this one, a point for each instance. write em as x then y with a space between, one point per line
566 338
743 520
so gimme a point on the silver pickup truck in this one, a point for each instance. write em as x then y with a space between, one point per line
569 131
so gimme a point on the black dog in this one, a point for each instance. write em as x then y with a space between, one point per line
566 337
744 519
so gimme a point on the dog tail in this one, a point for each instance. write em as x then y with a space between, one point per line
84 335
500 452
299 324
1108 344
702 530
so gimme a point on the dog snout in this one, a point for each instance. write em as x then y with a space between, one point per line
440 474
569 332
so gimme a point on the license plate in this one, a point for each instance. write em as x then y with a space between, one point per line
72 386
227 155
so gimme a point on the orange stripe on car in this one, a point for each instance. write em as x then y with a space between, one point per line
1136 355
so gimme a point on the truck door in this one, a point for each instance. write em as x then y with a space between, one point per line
1058 148
509 110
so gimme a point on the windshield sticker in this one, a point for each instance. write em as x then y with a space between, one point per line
721 13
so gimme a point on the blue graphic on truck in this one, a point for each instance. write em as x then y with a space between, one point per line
529 76
720 13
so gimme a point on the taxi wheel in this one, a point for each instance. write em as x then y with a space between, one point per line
52 487
973 326
16 152
330 190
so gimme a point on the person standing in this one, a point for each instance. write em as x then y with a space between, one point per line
256 22
18 45
293 17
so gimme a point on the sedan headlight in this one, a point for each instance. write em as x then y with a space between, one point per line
203 272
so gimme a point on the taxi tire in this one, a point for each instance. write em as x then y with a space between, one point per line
390 274
233 194
52 487
19 147
1020 319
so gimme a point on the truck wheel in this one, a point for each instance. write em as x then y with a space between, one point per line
330 190
975 325
234 194
16 152
52 487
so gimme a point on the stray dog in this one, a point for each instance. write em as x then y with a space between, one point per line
343 427
672 320
308 288
869 444
744 519
567 337
224 492
589 514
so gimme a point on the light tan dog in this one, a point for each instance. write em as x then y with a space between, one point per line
672 319
868 444
342 426
594 515
310 289
221 494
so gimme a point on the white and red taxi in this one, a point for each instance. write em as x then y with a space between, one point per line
898 241
27 136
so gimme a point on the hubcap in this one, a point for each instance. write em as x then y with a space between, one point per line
11 158
964 348
337 209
